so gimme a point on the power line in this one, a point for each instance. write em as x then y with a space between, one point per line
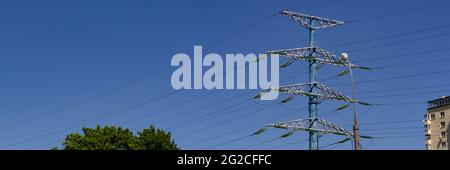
427 52
388 36
83 122
232 141
385 122
246 127
394 133
80 102
138 79
99 117
250 27
247 136
107 116
223 122
200 108
388 15
400 136
444 3
393 128
439 61
205 116
405 94
399 103
403 89
259 22
214 115
288 144
321 4
368 145
391 122
79 123
240 138
185 112
261 143
397 77
335 144
400 42
408 64
243 128
41 145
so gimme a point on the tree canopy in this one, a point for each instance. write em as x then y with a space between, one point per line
118 138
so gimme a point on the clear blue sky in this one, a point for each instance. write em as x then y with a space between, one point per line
55 53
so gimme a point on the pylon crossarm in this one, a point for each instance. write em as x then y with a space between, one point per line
322 93
311 22
322 126
308 53
330 93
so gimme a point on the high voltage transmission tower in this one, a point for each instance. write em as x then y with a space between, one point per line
314 90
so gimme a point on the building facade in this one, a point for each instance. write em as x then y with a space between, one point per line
436 124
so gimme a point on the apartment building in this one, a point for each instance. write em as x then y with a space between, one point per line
436 124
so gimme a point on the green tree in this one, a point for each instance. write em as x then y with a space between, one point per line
117 138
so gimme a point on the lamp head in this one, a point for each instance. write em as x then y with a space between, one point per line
344 56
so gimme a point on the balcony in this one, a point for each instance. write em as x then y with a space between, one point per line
427 122
428 142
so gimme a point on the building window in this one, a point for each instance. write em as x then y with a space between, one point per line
432 117
443 134
443 144
442 115
442 125
428 137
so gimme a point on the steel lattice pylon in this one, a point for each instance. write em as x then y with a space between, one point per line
315 91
